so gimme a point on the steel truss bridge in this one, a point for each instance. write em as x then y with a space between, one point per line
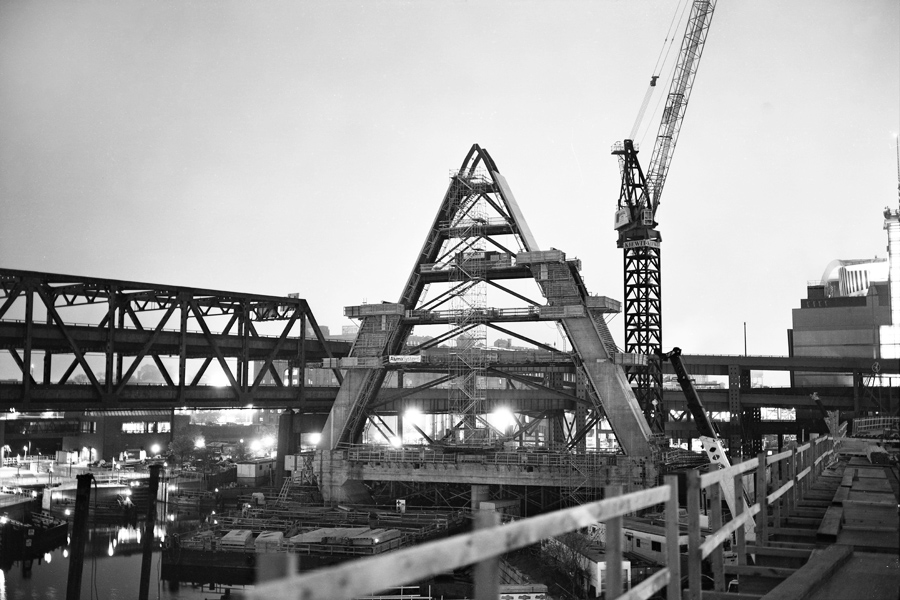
67 318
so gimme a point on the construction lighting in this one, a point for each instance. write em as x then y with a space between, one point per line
315 438
154 449
502 418
412 413
199 443
396 442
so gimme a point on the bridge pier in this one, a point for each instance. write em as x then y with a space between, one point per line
286 444
480 493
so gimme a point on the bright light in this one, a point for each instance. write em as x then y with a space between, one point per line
268 441
412 414
502 418
255 445
65 553
154 449
396 442
3 520
67 512
110 551
199 443
218 379
47 557
315 438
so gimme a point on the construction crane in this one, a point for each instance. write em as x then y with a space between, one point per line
639 198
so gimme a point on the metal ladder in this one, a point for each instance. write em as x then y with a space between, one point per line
285 488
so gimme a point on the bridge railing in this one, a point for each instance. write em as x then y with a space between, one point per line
863 426
789 474
483 547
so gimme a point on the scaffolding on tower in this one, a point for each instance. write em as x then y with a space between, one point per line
467 362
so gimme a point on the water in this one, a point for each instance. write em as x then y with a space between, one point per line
111 571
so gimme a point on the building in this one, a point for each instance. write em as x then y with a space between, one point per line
853 310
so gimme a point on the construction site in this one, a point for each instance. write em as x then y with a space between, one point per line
449 449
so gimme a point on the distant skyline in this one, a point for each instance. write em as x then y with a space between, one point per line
305 147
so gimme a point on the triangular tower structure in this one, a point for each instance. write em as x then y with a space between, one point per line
480 246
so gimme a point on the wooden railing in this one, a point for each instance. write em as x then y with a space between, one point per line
790 474
483 547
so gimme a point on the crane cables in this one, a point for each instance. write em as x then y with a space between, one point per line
674 26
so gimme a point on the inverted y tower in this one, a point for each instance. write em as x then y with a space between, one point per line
479 237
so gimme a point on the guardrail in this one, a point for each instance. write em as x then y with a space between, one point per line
486 544
788 473
878 425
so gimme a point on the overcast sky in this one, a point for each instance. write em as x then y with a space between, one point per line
277 147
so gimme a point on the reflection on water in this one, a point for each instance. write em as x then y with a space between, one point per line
111 571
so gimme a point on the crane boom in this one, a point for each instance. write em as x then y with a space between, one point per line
679 94
636 224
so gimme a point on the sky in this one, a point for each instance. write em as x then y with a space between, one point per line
279 147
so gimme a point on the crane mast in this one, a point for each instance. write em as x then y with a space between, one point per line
639 198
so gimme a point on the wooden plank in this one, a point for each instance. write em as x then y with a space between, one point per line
841 496
647 587
695 557
725 532
707 479
874 513
709 595
796 545
752 571
849 476
803 521
821 565
794 532
831 524
775 551
375 573
872 485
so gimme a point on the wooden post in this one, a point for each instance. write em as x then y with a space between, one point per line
795 470
715 524
762 522
738 511
673 551
613 549
149 524
813 472
79 535
694 558
487 572
789 476
776 483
